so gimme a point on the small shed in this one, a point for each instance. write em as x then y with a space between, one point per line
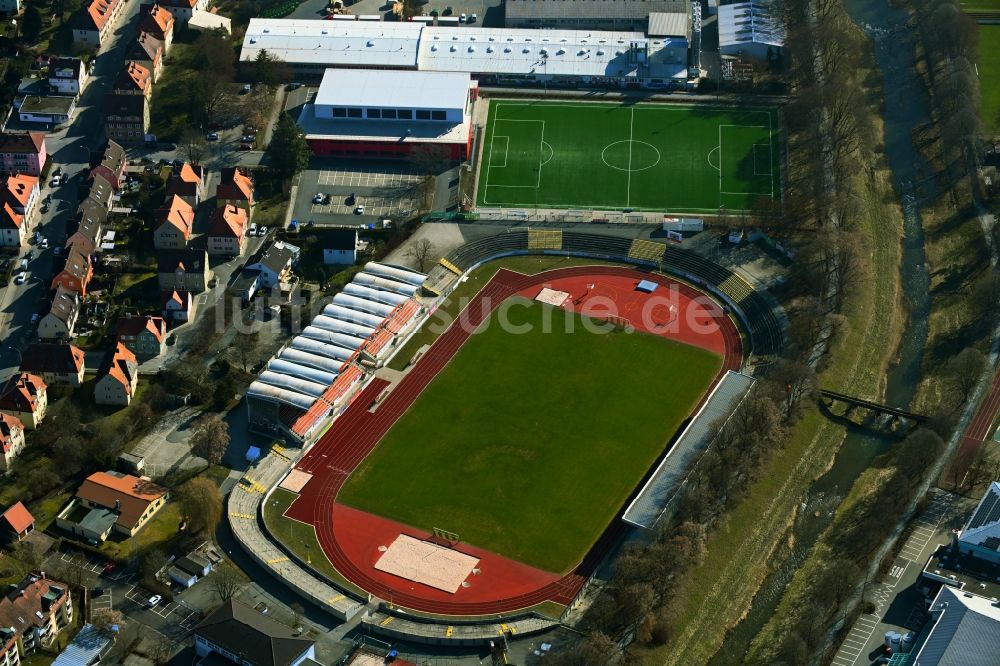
646 286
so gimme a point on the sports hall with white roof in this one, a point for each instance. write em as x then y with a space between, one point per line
320 367
491 55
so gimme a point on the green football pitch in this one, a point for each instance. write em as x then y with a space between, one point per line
642 156
528 444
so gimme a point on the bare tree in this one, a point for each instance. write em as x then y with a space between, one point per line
106 619
226 582
421 252
210 438
964 370
245 345
193 144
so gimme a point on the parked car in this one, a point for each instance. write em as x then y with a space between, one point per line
35 317
318 199
261 231
212 136
56 180
246 146
44 244
165 162
350 199
248 138
153 600
45 208
21 278
97 592
253 228
109 567
246 88
360 210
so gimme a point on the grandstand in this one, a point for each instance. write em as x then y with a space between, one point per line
759 316
653 501
313 374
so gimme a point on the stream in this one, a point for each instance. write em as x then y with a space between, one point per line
906 107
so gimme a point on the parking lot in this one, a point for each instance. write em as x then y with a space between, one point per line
899 605
171 611
385 191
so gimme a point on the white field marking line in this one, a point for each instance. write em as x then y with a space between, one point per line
720 167
709 158
486 183
541 142
506 149
770 152
628 186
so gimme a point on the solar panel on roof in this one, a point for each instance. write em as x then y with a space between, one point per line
988 511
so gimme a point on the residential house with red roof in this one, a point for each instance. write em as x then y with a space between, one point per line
188 183
227 235
58 323
143 335
11 440
134 79
112 165
25 396
158 22
22 152
183 10
236 188
56 363
178 306
148 52
183 270
112 501
95 22
16 523
32 614
68 76
75 273
173 224
117 378
19 195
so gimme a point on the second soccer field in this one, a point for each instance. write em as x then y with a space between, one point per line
638 156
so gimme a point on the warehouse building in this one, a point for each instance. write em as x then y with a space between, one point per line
752 29
316 373
370 113
589 14
489 55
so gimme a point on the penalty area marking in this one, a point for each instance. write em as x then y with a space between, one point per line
717 167
506 147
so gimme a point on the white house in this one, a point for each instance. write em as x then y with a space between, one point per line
340 247
68 76
58 324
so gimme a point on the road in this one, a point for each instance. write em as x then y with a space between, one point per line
68 147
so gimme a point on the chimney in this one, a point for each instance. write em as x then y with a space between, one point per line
118 506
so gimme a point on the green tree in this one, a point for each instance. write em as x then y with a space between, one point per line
31 23
202 505
288 150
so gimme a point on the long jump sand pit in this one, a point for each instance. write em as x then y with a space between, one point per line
427 563
552 297
295 481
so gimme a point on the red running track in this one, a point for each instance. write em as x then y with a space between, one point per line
349 537
975 435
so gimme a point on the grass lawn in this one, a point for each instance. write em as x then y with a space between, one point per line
989 71
299 537
162 528
981 5
527 445
639 156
